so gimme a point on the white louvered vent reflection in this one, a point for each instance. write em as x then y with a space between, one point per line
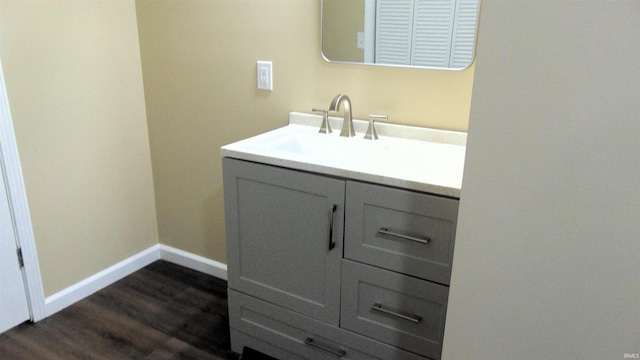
394 21
464 33
433 33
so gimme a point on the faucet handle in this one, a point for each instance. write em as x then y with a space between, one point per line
325 128
371 130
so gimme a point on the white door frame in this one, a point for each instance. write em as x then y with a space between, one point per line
19 207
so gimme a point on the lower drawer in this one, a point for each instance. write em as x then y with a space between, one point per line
284 334
393 308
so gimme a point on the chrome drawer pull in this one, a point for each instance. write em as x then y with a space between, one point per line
413 318
338 353
385 231
332 210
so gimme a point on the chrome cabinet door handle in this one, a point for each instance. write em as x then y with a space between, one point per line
413 318
385 231
335 352
332 210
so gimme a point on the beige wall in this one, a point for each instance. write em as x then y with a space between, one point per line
74 83
199 64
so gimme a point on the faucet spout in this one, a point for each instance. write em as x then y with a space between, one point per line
347 123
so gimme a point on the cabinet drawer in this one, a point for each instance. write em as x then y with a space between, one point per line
408 232
393 308
278 332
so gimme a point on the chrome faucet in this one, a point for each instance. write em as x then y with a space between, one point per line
347 123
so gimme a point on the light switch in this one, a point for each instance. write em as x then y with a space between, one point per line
265 75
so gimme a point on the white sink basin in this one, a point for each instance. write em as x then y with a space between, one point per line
316 147
429 166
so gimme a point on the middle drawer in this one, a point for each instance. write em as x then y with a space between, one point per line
397 309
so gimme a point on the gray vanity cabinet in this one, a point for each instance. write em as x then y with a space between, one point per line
322 268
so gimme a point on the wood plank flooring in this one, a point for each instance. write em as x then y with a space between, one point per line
163 311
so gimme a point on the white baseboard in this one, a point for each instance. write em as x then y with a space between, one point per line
108 276
193 261
104 278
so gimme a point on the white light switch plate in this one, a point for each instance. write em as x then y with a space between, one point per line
265 75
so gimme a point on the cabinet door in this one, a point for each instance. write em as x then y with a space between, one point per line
284 237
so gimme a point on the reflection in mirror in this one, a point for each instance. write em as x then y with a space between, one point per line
416 33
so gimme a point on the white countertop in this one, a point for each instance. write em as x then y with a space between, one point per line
406 157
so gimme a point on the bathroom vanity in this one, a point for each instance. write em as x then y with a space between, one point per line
341 247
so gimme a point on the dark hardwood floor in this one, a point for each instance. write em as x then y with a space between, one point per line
163 311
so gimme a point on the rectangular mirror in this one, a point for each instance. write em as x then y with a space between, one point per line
432 34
